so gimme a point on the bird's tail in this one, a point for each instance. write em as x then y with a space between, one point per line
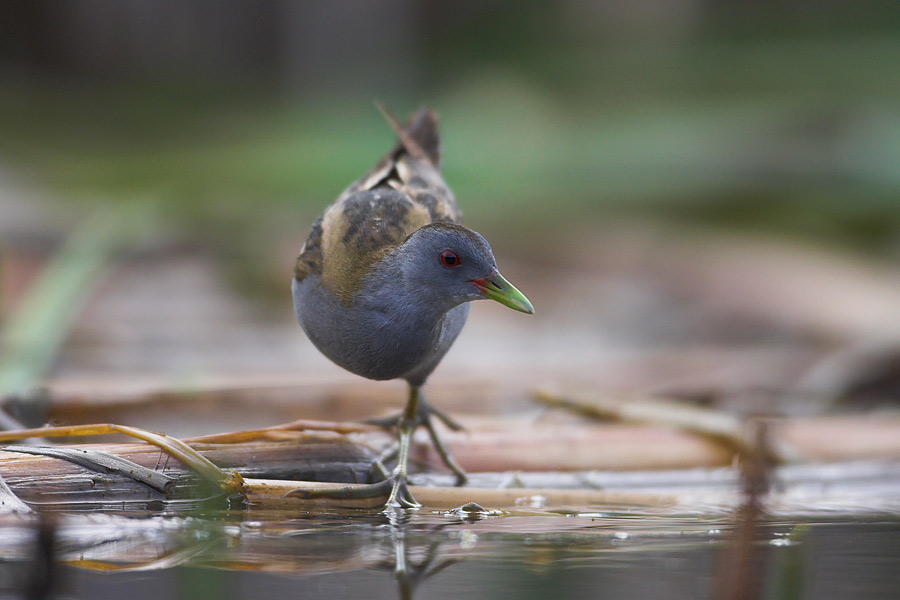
420 138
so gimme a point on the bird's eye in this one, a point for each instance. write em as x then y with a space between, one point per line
449 259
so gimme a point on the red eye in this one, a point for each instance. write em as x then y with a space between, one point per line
449 259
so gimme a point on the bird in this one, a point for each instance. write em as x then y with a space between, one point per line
383 282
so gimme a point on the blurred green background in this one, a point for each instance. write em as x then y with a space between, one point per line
242 120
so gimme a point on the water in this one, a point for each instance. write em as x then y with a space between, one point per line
604 552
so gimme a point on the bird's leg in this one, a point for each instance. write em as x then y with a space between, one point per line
422 416
425 410
445 455
400 494
417 412
385 457
451 423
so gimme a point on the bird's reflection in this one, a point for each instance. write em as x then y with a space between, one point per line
410 574
411 545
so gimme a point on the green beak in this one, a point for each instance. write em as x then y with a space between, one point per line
497 288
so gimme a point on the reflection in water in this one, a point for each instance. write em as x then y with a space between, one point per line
407 573
606 552
43 575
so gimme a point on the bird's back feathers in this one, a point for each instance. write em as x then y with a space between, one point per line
403 192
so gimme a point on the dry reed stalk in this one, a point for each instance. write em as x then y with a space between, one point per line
98 473
227 482
267 493
722 427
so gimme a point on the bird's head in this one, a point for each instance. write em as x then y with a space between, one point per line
453 264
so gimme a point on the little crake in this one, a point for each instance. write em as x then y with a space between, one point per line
383 282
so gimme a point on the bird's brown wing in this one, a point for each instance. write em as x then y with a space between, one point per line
413 166
403 192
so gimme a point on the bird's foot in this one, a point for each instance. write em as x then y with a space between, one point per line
400 496
423 418
397 481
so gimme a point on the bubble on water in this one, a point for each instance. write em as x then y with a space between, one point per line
471 511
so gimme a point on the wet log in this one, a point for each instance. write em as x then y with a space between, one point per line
307 451
289 455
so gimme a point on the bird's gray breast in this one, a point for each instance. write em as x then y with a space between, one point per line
379 338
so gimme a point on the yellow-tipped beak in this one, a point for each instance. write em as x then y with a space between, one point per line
497 288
